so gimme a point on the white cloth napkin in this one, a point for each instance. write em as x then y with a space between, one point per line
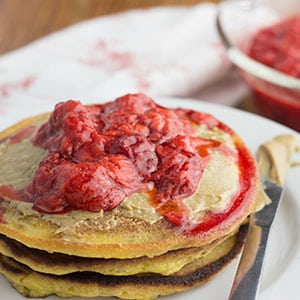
161 51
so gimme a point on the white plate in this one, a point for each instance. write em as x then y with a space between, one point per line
282 265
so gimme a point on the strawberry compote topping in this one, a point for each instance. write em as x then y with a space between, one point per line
100 154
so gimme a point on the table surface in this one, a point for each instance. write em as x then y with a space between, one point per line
22 21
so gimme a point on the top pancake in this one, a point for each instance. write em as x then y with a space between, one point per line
132 229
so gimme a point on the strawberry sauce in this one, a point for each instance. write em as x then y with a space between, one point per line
100 154
278 47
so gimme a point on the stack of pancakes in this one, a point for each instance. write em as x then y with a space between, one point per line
38 273
131 252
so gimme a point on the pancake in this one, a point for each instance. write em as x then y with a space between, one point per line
59 263
144 286
126 199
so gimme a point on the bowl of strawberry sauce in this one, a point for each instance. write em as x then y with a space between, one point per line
277 46
266 35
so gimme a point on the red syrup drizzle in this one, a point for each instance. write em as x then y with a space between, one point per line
8 191
20 135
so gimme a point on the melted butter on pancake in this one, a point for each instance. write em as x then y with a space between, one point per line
138 205
18 163
211 196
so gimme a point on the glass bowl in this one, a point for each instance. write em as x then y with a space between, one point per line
275 94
